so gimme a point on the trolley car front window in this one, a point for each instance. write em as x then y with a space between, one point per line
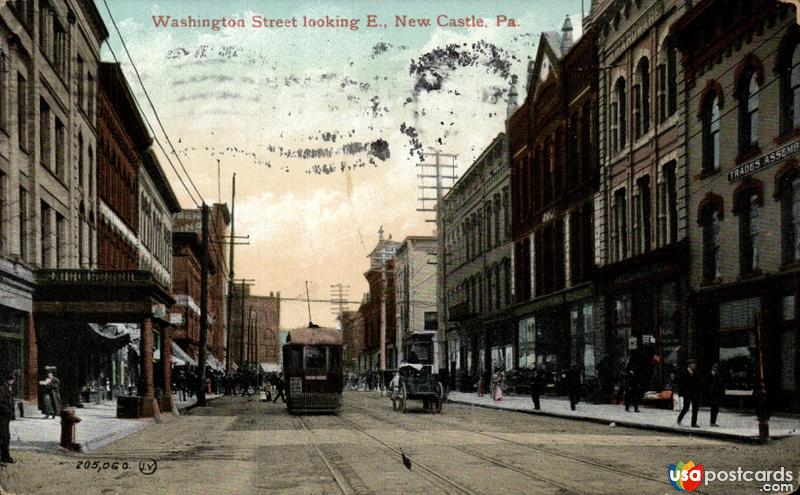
315 358
296 359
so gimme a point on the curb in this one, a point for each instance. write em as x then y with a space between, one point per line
189 407
629 424
112 437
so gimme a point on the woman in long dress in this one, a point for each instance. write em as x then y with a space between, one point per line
497 383
52 395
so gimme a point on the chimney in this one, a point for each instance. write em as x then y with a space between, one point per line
512 100
566 37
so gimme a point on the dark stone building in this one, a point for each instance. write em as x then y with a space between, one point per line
554 143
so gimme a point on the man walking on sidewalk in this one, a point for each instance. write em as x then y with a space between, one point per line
574 385
716 390
632 391
6 415
537 384
689 387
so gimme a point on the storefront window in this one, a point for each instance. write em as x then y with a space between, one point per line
622 309
498 357
737 344
11 325
453 356
552 342
527 329
671 330
584 338
737 353
788 357
788 346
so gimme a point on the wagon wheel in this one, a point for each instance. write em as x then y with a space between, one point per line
403 397
437 406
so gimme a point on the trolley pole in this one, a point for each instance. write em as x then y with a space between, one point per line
241 333
201 390
762 407
255 352
228 348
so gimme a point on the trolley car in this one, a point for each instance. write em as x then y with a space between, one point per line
312 368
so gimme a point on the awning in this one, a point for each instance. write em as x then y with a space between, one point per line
270 367
110 338
172 359
214 363
181 354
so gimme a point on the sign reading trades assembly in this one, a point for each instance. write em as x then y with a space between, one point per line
764 161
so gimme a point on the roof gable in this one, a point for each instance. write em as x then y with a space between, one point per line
547 64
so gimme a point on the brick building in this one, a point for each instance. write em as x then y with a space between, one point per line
122 139
554 142
380 351
190 220
641 245
185 313
255 327
55 301
47 71
352 326
742 94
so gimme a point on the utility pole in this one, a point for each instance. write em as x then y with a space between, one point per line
201 388
230 281
425 199
249 354
762 407
241 334
255 350
339 295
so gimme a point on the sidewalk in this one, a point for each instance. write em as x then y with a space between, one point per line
99 427
733 425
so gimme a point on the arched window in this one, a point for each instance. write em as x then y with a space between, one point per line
641 102
710 118
618 124
748 211
3 88
790 91
790 217
576 150
667 80
748 111
586 141
81 226
709 222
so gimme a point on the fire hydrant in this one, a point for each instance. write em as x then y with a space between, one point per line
68 422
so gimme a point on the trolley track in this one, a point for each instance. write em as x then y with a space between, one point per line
445 482
338 478
535 448
492 460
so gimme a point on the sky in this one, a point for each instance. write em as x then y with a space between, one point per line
323 126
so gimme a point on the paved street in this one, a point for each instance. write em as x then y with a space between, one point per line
238 445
